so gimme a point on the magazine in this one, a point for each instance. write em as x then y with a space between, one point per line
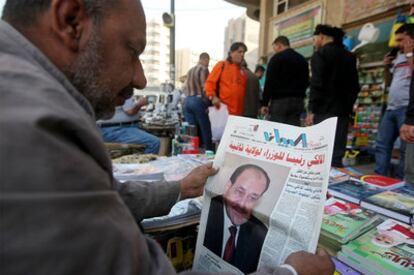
353 191
386 249
267 199
381 182
397 204
343 221
343 269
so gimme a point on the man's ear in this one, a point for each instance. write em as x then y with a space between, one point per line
68 21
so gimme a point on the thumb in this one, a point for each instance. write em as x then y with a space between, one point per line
322 252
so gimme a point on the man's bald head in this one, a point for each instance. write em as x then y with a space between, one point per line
95 43
24 13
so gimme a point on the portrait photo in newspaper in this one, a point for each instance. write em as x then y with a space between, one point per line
240 205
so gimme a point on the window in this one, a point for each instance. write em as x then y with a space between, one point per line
294 3
283 5
280 6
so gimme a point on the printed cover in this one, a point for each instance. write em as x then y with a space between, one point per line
353 189
343 220
343 269
382 181
389 247
400 200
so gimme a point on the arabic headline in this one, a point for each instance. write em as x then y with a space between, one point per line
276 155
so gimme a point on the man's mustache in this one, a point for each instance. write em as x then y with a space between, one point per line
237 207
127 92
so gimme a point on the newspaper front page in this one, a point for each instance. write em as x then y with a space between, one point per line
267 199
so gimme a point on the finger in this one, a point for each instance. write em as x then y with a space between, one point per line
321 252
215 170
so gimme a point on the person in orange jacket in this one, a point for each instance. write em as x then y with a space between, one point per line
228 77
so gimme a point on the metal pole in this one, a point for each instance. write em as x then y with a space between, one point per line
172 44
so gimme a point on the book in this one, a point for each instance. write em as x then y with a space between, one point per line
386 249
397 204
342 268
343 221
382 182
352 172
336 175
352 191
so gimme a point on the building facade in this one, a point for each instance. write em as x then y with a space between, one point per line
156 57
297 19
246 30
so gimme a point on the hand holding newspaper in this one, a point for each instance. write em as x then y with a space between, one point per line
267 200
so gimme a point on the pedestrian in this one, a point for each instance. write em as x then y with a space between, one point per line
123 127
407 129
227 81
252 94
334 85
196 102
287 79
260 74
397 75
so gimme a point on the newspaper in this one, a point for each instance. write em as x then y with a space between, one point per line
267 199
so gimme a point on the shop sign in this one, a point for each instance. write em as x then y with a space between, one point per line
299 27
359 9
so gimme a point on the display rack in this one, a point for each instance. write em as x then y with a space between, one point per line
368 107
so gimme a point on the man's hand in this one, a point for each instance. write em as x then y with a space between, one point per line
142 101
309 119
264 110
310 264
193 184
216 101
388 60
407 133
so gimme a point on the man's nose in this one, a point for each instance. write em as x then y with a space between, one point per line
244 202
139 80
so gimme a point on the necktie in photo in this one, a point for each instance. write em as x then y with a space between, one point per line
230 245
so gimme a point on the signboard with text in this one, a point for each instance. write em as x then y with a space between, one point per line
299 27
359 9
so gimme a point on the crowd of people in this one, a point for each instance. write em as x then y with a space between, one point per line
333 86
65 64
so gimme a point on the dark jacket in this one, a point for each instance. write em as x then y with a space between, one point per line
409 119
252 96
334 83
287 75
249 242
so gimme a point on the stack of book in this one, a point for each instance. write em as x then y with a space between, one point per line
397 204
344 221
385 249
342 268
359 188
352 190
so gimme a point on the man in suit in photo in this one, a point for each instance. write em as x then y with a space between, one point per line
232 232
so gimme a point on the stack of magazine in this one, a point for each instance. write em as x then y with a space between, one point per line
386 249
397 204
358 188
344 221
352 190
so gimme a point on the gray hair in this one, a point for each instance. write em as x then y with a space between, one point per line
25 12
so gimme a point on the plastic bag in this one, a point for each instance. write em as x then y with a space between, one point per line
218 120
